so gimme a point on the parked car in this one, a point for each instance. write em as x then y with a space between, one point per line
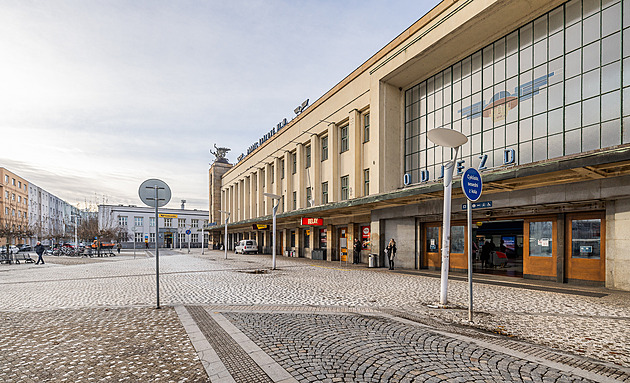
247 246
26 248
12 249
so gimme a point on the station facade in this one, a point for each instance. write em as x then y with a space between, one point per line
542 91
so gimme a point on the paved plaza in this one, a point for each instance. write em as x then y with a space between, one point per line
235 320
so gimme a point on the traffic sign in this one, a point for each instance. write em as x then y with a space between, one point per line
472 184
147 192
188 231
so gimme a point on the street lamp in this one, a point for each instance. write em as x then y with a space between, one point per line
226 225
275 211
451 139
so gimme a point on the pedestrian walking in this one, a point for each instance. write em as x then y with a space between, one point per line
39 249
357 251
391 252
118 248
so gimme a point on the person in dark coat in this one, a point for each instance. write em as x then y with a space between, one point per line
486 250
357 251
391 252
39 249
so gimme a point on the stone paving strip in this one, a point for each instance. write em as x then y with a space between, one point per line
96 344
368 348
289 335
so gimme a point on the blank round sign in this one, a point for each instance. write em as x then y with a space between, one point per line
147 192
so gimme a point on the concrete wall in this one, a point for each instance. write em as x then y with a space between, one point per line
618 244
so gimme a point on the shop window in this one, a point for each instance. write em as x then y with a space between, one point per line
458 239
307 238
433 239
293 238
586 238
541 239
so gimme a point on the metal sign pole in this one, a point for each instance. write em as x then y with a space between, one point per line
157 249
470 262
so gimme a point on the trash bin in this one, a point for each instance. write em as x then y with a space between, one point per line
372 260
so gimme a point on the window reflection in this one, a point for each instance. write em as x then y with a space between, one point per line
586 238
541 239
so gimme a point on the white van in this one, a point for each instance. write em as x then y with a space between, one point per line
247 246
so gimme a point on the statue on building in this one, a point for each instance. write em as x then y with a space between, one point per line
219 154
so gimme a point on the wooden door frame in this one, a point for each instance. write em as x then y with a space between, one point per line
576 267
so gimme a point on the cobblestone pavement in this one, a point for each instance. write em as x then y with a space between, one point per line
34 296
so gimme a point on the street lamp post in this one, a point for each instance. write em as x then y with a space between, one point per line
275 211
226 226
451 139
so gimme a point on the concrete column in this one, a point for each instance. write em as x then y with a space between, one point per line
299 242
268 188
260 196
316 169
334 193
288 194
560 248
390 138
617 244
356 176
331 254
247 192
253 196
301 177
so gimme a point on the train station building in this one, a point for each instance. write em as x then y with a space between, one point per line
541 89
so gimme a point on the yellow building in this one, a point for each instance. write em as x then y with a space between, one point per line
13 208
536 87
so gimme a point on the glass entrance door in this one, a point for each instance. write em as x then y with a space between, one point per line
585 250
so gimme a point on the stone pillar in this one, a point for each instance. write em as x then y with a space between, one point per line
316 169
334 193
301 177
354 131
288 195
260 197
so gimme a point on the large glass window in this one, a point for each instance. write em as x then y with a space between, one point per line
308 156
540 239
324 148
586 238
549 89
458 239
138 221
122 221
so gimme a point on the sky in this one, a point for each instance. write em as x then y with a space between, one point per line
98 96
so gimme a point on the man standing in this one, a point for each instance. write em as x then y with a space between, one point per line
357 251
39 249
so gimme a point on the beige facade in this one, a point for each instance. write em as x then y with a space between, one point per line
360 151
13 207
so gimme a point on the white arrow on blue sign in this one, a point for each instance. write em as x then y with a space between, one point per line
472 184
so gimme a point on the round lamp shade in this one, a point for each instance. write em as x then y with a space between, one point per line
447 137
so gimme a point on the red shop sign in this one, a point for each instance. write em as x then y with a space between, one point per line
312 221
